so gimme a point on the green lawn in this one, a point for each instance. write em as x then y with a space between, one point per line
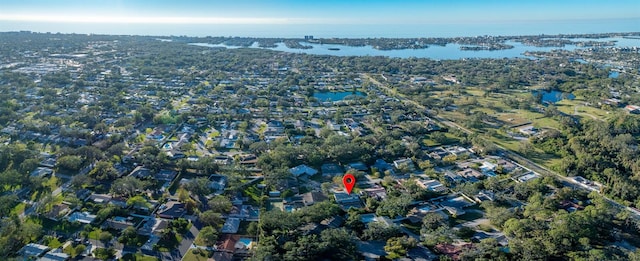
546 122
242 230
138 257
470 216
168 245
95 235
19 209
52 183
415 228
506 142
253 192
196 255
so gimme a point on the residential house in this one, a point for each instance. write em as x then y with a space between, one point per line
58 211
570 206
528 130
172 210
438 153
100 198
231 226
166 175
358 166
331 170
488 169
457 150
634 109
453 250
32 250
311 198
431 185
484 196
223 160
383 166
153 226
526 177
232 245
49 162
347 201
470 174
218 182
274 194
249 160
303 170
333 222
41 172
118 223
506 165
377 192
141 172
55 255
82 217
244 212
404 164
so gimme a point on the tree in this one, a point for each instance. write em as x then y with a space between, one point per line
105 237
211 218
433 220
220 204
465 232
394 206
179 225
198 186
340 244
70 162
103 170
127 186
398 247
526 148
81 181
104 253
73 252
380 231
318 211
208 235
129 237
487 249
305 248
138 202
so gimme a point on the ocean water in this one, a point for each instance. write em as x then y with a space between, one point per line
335 30
436 52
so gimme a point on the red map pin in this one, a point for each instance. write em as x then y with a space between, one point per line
349 181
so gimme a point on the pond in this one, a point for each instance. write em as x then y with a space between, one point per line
614 74
336 96
554 96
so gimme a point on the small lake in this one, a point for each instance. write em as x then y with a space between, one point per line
335 96
614 74
553 96
436 52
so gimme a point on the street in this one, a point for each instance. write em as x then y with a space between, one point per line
524 162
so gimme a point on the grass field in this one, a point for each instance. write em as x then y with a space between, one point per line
19 209
138 257
196 255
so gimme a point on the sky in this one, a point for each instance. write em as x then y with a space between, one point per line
64 15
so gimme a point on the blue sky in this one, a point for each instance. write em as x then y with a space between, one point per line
315 12
322 18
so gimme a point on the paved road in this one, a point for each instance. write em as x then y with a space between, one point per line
524 162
